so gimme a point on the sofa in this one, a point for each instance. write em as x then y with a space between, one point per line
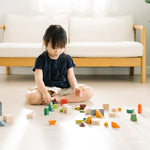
92 41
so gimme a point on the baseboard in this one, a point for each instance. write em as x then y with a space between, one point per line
84 71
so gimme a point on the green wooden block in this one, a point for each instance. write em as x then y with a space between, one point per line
81 111
79 121
133 117
84 119
55 106
130 111
46 111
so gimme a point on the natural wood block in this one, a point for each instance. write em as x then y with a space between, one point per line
95 121
8 118
112 114
30 116
106 106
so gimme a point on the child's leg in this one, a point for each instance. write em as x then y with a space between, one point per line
87 93
34 97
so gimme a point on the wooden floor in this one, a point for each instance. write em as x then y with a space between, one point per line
117 91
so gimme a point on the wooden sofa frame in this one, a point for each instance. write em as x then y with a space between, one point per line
90 62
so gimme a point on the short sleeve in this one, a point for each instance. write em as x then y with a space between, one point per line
38 63
70 62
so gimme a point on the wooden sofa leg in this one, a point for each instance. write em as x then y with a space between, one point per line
143 73
131 71
7 70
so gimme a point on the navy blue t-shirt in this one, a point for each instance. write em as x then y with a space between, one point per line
54 70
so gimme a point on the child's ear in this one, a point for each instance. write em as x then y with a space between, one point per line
44 42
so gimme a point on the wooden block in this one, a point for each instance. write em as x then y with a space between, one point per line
114 109
130 111
99 114
30 116
88 120
82 106
106 106
93 111
55 106
52 122
8 118
78 108
63 101
95 121
112 114
3 123
114 125
106 124
67 109
119 109
79 121
87 110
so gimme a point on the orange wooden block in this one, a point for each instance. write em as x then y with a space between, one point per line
99 114
52 122
119 109
114 125
88 120
139 108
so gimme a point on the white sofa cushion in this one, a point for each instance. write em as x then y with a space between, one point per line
101 29
20 49
30 28
105 49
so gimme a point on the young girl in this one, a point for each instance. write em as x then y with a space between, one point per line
54 75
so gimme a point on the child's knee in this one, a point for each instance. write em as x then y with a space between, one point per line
87 93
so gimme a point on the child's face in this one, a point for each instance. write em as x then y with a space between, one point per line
54 53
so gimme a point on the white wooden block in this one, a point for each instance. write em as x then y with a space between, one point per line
67 109
95 121
8 118
30 116
87 110
112 114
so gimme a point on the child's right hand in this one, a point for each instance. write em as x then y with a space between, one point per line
46 98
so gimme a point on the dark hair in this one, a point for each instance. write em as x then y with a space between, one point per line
56 35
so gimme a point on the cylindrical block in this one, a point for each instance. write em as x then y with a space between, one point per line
46 111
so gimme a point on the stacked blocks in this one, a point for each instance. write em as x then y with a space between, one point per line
51 108
133 117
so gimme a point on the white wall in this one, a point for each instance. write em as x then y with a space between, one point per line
138 8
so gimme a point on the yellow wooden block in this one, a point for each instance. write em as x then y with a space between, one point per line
105 123
78 108
119 109
88 120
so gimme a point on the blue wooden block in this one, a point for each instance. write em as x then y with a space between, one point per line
3 123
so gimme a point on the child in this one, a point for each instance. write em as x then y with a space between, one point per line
54 75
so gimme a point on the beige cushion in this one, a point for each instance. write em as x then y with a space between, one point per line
30 28
20 49
101 29
105 49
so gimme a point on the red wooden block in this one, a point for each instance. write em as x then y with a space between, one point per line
139 108
63 101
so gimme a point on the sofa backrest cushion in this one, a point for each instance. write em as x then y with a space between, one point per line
101 29
30 28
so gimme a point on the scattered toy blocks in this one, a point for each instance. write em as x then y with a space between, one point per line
52 122
0 108
106 106
133 117
46 111
112 114
99 114
106 124
130 111
3 123
95 121
82 106
139 108
114 125
63 101
30 116
88 120
8 118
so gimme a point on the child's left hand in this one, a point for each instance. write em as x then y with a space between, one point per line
78 91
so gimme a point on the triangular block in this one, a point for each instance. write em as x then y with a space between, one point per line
114 125
99 114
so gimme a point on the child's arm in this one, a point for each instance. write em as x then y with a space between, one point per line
41 86
73 82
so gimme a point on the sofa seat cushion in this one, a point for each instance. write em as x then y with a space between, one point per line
105 49
20 49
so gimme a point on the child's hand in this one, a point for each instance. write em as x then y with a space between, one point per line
46 98
78 91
